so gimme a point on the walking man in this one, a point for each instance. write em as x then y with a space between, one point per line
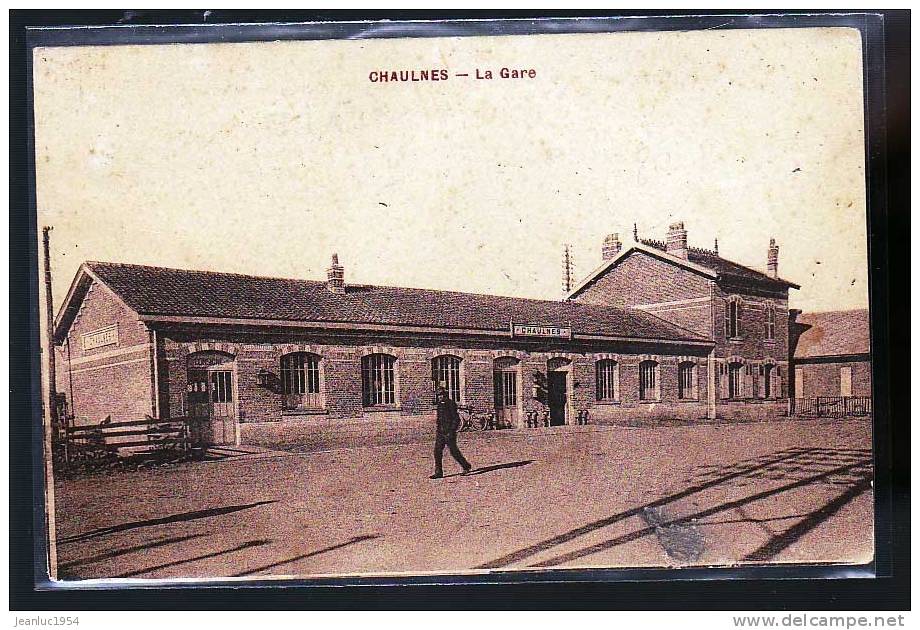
448 423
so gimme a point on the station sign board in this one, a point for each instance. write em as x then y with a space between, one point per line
538 330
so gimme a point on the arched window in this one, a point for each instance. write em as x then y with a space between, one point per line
301 384
445 372
378 380
733 318
608 380
649 382
686 381
769 324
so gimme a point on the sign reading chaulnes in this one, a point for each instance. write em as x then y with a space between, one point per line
536 330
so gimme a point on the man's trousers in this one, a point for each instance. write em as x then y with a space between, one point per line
450 441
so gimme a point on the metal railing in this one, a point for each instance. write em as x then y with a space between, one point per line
833 406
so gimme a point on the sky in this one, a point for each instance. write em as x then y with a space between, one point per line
265 158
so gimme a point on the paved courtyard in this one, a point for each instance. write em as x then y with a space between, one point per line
713 494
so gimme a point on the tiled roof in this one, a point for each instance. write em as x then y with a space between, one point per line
833 333
726 269
160 291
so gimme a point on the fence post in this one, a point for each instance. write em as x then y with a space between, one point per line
66 442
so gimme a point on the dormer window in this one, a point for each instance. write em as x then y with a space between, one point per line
733 318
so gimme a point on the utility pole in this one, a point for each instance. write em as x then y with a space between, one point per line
52 426
568 266
49 330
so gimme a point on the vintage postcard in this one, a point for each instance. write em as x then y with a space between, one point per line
455 305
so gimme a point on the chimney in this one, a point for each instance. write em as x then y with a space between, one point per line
677 240
611 247
335 276
773 258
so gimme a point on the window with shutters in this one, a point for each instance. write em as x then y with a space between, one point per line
445 372
769 373
736 376
608 381
378 380
300 381
733 318
769 324
649 382
687 381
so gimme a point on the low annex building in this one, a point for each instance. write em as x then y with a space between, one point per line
831 356
656 332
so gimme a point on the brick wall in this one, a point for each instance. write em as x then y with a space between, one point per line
584 383
532 367
630 408
480 386
752 343
111 379
341 367
342 372
116 380
416 390
642 279
823 379
119 391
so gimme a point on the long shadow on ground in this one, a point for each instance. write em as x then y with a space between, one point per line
173 518
492 468
801 467
246 545
318 552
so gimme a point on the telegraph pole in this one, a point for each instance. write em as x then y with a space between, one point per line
52 427
49 329
567 268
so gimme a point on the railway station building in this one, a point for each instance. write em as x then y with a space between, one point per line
660 331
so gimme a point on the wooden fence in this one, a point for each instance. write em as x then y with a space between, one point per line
108 437
833 406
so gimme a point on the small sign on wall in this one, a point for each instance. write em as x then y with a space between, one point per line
107 336
532 330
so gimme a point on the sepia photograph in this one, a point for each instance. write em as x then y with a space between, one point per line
454 305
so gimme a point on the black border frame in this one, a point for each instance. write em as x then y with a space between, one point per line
886 44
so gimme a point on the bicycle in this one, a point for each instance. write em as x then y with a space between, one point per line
472 421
